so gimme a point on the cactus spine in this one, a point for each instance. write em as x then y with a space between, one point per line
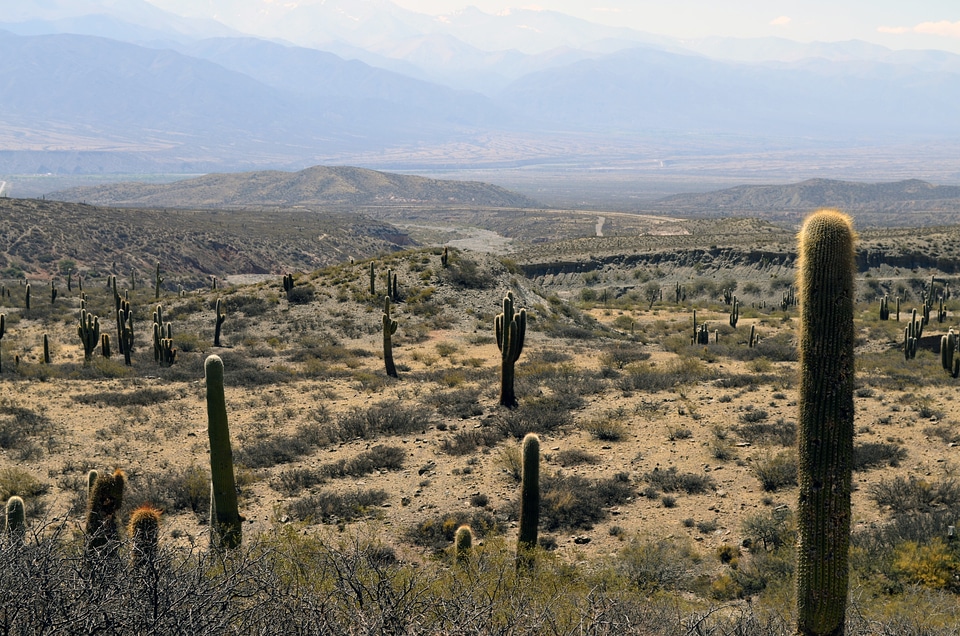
462 544
15 522
826 412
389 328
511 327
106 497
89 332
529 498
144 532
225 521
221 316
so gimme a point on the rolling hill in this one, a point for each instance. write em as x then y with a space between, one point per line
320 185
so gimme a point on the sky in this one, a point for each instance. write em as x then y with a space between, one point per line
915 24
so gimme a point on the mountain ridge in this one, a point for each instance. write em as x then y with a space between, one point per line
315 186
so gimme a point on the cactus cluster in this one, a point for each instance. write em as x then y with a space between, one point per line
788 298
287 284
826 270
911 336
89 332
680 293
511 328
885 308
163 350
701 334
124 328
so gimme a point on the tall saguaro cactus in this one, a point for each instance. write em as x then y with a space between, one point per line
511 327
3 328
389 328
826 280
529 498
157 281
225 521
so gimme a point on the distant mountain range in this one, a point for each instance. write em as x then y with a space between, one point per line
317 186
783 201
102 86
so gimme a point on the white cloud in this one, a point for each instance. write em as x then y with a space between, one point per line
781 21
943 28
607 10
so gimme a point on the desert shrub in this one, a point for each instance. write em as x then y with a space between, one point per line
465 442
140 397
781 432
706 527
771 530
671 480
269 450
538 415
437 532
873 454
776 472
575 457
574 502
246 304
935 564
947 434
331 507
655 564
510 462
465 273
301 295
752 416
172 490
239 370
620 355
479 500
380 457
388 417
912 495
461 403
19 426
675 433
16 481
646 376
609 426
295 480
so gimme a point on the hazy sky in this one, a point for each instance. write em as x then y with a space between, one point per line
895 23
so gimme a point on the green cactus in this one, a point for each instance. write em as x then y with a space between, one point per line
735 313
125 331
105 345
826 269
91 480
287 284
3 329
225 520
163 349
89 332
462 544
221 316
27 297
511 327
46 349
948 345
103 507
144 532
373 279
885 308
529 498
157 281
445 258
898 309
15 524
753 336
389 328
53 292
